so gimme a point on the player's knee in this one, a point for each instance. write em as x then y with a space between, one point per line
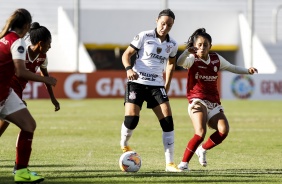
131 122
167 124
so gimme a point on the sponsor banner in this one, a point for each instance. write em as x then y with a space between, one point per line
254 87
100 84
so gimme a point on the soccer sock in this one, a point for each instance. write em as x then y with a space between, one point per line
23 149
125 135
168 142
191 147
215 139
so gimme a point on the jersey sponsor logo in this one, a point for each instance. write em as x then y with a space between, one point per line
214 61
168 47
205 77
152 55
4 41
159 50
20 49
148 76
202 67
150 35
136 37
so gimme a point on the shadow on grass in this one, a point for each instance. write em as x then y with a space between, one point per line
195 176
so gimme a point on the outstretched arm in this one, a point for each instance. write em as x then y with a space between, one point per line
44 71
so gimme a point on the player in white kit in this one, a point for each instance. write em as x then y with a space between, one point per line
155 53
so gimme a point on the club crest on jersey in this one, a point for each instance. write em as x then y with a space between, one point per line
136 37
132 95
159 50
168 47
215 69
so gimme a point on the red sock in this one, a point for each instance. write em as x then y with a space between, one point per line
23 149
215 139
191 147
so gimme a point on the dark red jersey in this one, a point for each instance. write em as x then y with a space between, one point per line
7 68
202 79
18 84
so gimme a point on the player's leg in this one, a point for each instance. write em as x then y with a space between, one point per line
17 113
3 126
164 114
217 121
130 122
198 115
133 103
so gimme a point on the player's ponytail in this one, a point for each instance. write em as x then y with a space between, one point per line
38 33
199 32
18 19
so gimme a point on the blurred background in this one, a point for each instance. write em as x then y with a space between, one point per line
89 37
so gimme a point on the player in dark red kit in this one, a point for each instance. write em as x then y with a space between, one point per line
204 103
38 43
12 108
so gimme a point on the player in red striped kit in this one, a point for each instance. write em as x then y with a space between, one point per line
204 103
12 108
38 43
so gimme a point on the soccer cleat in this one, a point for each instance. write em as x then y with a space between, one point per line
125 149
26 176
201 153
183 166
171 167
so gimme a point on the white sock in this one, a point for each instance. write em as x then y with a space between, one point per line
168 142
125 135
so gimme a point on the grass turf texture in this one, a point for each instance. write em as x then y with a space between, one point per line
80 144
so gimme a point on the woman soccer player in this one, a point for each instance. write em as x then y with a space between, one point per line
12 108
155 50
204 102
40 39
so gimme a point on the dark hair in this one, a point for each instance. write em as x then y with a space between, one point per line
199 32
167 12
38 33
18 19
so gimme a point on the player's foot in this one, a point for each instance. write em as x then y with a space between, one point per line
171 167
183 166
125 149
201 153
26 176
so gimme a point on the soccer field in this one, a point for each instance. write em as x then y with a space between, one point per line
80 144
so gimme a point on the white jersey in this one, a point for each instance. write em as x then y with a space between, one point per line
152 56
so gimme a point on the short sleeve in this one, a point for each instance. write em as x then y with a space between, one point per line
18 49
44 64
137 41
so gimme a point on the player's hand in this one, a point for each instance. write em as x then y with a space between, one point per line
192 50
252 70
51 81
56 104
131 75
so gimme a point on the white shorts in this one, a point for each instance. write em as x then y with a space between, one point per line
212 108
12 104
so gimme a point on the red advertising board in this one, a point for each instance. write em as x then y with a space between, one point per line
100 84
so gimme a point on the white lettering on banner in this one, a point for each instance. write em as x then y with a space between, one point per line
271 87
111 87
76 91
31 90
176 88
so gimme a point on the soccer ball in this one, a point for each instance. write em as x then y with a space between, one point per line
130 161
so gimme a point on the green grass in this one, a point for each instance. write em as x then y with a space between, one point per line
80 144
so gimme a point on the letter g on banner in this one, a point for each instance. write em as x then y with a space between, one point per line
75 86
